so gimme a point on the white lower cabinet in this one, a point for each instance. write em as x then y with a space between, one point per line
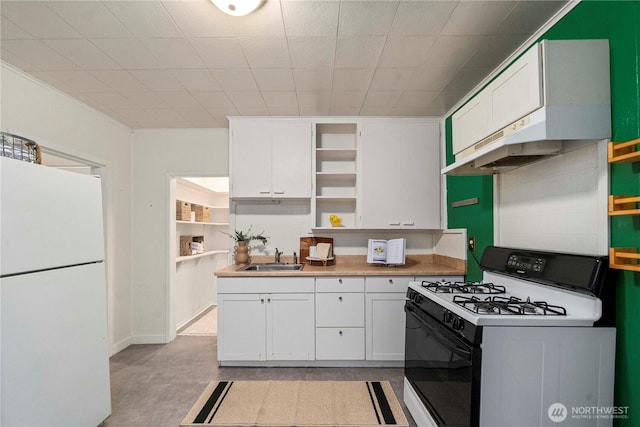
385 318
305 319
340 318
271 325
385 326
241 327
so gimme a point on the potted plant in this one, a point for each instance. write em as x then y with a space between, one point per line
242 239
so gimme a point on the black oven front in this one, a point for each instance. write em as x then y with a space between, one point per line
443 369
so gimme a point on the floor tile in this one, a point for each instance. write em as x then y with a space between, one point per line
156 385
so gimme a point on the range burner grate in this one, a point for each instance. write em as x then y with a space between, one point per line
463 287
508 306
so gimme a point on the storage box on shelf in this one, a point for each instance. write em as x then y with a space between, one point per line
203 213
624 152
183 211
185 244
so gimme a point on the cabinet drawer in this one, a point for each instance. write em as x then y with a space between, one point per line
340 310
388 283
340 343
264 285
340 284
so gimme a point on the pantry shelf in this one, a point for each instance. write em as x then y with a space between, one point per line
623 152
204 254
203 223
624 259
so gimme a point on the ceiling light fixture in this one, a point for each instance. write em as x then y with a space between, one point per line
237 7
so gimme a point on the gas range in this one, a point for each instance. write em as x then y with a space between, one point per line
503 301
466 341
519 288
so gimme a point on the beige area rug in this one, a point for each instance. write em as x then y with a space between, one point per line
207 325
297 403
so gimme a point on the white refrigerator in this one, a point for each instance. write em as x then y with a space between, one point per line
53 309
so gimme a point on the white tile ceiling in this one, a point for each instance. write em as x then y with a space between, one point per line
170 63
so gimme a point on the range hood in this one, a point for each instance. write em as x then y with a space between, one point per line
538 135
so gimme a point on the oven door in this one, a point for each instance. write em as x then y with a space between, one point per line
443 369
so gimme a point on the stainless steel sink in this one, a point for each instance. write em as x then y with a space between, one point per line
272 267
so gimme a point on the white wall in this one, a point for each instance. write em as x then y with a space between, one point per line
558 204
158 155
36 111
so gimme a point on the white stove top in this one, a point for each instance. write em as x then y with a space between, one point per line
581 309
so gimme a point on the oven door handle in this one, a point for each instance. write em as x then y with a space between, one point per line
450 345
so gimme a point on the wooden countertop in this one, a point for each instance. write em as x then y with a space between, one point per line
356 265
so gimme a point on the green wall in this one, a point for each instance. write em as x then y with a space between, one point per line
618 21
478 218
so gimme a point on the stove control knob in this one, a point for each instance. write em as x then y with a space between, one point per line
458 324
418 298
447 316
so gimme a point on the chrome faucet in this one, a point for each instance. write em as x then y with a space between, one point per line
278 255
295 258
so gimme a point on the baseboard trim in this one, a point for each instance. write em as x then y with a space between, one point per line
149 339
121 345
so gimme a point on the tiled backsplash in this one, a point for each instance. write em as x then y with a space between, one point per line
556 204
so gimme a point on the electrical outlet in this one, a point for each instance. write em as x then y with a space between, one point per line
472 244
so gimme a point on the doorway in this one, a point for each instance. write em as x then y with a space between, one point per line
200 214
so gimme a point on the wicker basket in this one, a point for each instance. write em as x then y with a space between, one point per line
183 211
203 213
19 148
185 244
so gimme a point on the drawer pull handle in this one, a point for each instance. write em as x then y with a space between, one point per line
339 298
339 280
340 333
391 281
268 299
262 300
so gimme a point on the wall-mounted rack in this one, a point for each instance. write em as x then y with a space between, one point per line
624 152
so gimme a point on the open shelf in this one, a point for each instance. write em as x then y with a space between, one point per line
624 259
336 153
203 223
624 205
336 198
624 152
347 176
336 175
204 254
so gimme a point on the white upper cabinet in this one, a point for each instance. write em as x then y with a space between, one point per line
270 158
517 91
570 78
471 122
400 174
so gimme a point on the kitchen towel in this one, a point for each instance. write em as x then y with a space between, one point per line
297 403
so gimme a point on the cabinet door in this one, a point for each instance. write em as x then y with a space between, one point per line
400 175
471 122
291 161
385 326
380 184
517 91
241 327
290 327
419 192
250 151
